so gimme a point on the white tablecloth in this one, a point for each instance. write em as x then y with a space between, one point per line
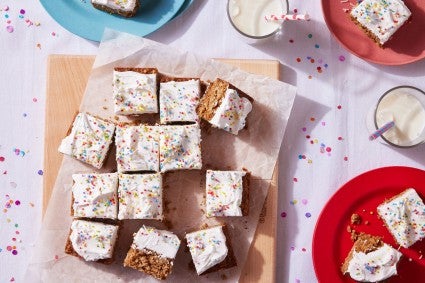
325 144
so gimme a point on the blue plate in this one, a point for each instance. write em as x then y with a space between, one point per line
183 8
80 18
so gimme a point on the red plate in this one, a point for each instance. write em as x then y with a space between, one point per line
361 195
408 44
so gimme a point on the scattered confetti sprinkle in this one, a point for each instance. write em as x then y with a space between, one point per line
2 159
6 8
18 152
310 77
339 107
345 158
283 214
304 129
291 41
309 35
292 248
295 180
38 46
13 185
293 202
10 29
25 115
35 99
303 249
316 45
22 12
298 59
340 138
304 201
341 58
40 172
308 215
312 119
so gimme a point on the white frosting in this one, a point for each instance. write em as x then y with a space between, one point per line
95 195
124 5
232 112
180 147
374 266
208 247
248 15
164 243
140 196
89 139
408 114
178 101
137 148
381 17
93 240
224 193
404 217
134 93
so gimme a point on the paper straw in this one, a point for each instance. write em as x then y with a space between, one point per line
288 17
379 132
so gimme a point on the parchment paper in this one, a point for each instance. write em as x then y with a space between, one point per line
256 149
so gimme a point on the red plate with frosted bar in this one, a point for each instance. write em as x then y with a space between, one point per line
362 195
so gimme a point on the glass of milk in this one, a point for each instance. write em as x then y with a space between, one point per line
247 16
405 105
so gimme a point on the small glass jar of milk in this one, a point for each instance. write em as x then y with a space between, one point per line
405 105
248 16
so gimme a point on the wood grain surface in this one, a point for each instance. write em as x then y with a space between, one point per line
67 78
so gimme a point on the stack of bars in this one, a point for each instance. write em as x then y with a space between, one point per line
101 201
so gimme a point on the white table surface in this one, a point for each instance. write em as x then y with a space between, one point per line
331 107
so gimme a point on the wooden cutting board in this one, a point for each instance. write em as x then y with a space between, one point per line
67 77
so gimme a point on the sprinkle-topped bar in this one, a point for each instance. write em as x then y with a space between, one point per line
135 91
137 148
225 107
404 216
227 193
371 260
89 139
380 18
95 195
209 250
180 147
178 100
153 252
92 241
125 8
140 196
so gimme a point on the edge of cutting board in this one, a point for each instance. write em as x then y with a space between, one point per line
67 78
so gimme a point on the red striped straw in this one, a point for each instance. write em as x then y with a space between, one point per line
287 17
379 132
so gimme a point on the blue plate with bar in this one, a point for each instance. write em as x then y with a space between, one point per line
81 18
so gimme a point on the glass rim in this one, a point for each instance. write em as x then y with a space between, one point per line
255 36
376 110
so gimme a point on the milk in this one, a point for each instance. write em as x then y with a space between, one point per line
248 16
406 107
